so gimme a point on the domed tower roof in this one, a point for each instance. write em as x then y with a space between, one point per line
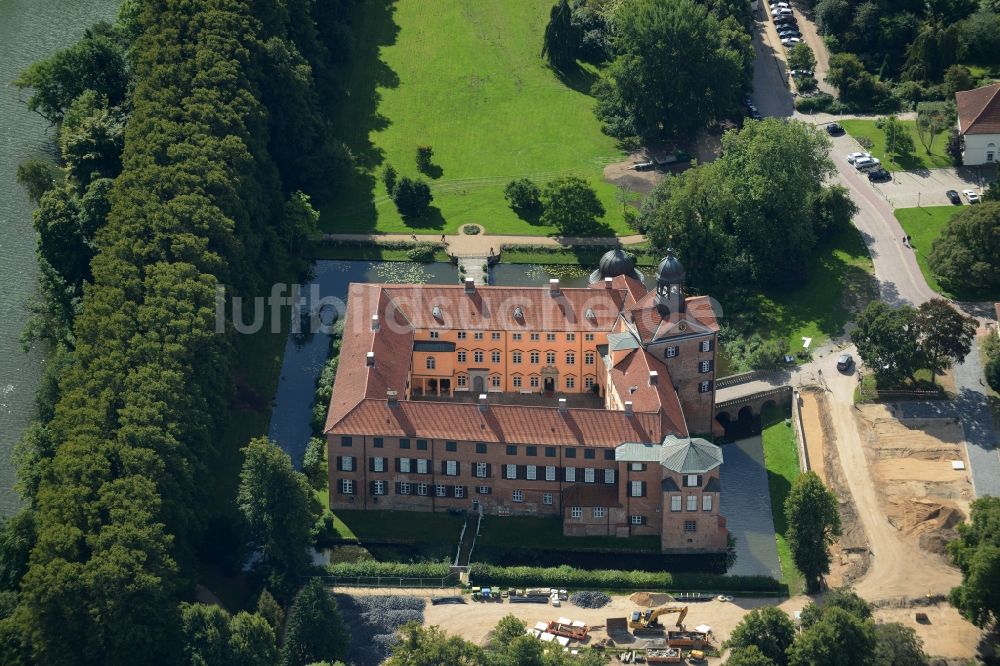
670 270
614 263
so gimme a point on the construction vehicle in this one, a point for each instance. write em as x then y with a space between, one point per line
576 633
649 619
697 656
688 639
663 656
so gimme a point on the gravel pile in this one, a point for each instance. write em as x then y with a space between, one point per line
589 599
372 622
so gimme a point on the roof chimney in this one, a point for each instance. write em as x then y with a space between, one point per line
607 282
375 326
482 402
562 405
554 287
654 378
370 359
392 397
470 285
628 407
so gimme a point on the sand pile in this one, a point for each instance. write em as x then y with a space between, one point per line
650 599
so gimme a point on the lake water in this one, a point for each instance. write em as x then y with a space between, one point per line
29 30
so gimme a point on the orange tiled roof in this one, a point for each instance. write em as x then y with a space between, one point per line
650 324
631 379
979 110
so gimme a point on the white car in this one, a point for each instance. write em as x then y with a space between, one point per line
971 195
856 156
790 41
866 163
780 5
781 11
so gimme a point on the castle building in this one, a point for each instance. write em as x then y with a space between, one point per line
582 403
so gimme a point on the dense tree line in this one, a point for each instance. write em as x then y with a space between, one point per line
182 130
966 257
977 553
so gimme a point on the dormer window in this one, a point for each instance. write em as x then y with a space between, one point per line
436 312
589 314
518 313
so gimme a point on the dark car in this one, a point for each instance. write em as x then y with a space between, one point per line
953 197
785 20
845 362
879 175
833 129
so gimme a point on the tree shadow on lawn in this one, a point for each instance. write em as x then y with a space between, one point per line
359 118
532 216
431 219
432 171
577 78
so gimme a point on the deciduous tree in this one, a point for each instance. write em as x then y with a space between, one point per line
887 342
898 645
977 554
966 256
767 629
944 334
315 630
801 57
838 638
571 205
813 525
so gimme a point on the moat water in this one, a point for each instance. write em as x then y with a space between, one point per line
29 30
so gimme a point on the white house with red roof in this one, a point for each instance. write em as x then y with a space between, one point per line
979 124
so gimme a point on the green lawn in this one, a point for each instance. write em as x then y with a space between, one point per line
918 159
467 78
924 225
781 458
400 526
546 534
839 283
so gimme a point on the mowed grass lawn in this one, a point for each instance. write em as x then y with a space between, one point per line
781 458
918 159
924 225
841 280
467 78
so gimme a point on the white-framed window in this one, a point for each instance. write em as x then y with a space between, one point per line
404 488
588 382
636 467
550 337
532 472
576 512
588 358
704 387
589 337
451 467
534 382
517 496
495 381
463 356
495 356
550 357
670 352
675 502
404 465
422 489
515 357
691 480
704 366
570 382
588 474
484 490
706 345
534 336
550 473
422 464
510 471
434 335
692 503
441 490
571 474
515 336
461 335
378 464
459 491
347 464
516 381
462 379
495 335
635 520
706 502
347 486
570 358
481 470
477 357
599 511
609 476
379 488
570 337
690 526
546 498
636 489
533 357
478 336
430 363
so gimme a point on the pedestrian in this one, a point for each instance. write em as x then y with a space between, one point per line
442 238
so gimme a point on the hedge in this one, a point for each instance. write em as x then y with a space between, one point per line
401 569
611 579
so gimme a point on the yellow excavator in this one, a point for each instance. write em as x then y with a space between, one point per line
649 619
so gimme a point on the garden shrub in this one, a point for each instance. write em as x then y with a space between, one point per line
814 104
423 253
523 195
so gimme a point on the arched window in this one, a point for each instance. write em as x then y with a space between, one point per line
430 363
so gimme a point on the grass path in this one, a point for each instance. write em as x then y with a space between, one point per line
467 78
781 458
918 159
924 225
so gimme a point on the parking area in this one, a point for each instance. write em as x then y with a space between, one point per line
925 187
746 504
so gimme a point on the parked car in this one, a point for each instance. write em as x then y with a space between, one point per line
791 41
776 5
953 197
833 129
755 114
785 34
781 11
851 157
785 21
804 74
867 163
879 175
971 195
845 362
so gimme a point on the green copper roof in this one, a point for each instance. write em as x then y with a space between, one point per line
620 341
685 456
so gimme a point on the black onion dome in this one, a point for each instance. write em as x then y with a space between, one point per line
670 270
614 263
